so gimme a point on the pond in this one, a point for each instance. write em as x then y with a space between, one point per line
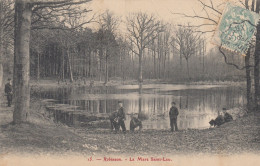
197 104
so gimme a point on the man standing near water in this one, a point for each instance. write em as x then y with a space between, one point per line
173 114
9 92
121 117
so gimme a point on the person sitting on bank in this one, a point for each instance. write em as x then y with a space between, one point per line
9 92
221 119
173 114
227 116
121 117
134 123
218 121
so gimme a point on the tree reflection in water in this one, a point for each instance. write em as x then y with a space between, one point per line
197 104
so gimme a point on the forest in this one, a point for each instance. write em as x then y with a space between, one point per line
71 50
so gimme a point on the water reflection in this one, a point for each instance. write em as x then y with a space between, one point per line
197 104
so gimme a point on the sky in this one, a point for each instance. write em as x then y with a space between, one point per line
163 9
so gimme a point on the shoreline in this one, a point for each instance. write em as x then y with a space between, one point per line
42 136
51 83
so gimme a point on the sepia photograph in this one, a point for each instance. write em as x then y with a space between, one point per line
129 82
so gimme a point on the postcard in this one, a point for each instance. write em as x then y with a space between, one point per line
129 82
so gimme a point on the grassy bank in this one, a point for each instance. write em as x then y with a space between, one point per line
41 135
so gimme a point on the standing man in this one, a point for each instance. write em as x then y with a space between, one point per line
173 114
9 92
121 117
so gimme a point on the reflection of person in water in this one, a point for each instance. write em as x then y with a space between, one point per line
135 122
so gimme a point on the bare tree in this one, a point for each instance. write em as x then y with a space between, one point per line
108 25
212 14
38 47
6 29
257 58
109 21
24 9
142 29
187 40
166 49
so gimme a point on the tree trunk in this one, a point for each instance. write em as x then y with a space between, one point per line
140 98
188 69
257 58
168 68
62 65
248 81
70 67
38 66
181 55
158 55
89 65
256 66
140 66
1 72
154 62
203 55
23 13
164 64
100 64
1 44
159 68
106 65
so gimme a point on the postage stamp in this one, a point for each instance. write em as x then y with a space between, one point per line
236 29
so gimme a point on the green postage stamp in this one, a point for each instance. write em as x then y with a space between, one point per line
236 28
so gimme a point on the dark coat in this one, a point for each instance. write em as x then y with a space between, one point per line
218 121
8 88
121 113
173 113
228 117
135 122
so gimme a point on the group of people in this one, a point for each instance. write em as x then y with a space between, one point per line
117 119
222 118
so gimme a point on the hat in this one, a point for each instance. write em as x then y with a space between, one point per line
9 79
224 109
120 102
173 102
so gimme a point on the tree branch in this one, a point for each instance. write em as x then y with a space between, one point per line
229 63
